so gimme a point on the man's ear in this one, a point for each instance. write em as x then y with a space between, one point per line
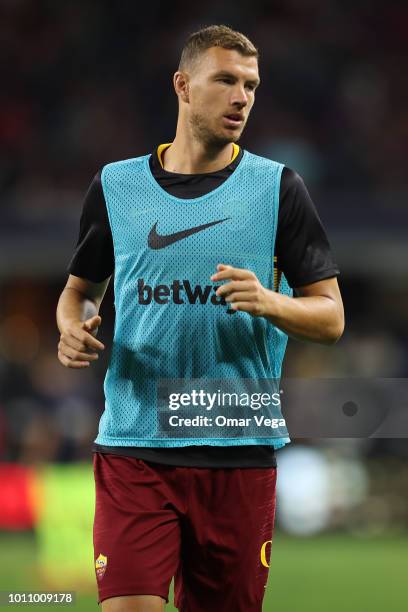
182 85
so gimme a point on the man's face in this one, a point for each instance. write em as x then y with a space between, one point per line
221 94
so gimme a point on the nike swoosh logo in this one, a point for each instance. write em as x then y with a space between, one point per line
159 241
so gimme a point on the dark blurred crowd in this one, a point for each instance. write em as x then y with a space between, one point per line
85 83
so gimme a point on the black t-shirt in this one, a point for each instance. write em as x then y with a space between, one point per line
302 251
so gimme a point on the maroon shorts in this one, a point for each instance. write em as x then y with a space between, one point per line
210 528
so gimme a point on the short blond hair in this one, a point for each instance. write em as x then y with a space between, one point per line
215 36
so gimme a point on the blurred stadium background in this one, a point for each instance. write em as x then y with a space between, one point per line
85 83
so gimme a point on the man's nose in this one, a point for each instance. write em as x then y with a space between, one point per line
239 97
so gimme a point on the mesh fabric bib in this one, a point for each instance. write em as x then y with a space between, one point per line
169 323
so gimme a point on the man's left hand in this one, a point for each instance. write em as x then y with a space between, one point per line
244 291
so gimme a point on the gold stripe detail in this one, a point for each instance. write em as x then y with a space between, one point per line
277 274
235 151
160 150
163 147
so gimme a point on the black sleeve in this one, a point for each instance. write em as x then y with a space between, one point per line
301 246
93 258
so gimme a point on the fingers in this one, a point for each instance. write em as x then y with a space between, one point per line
70 363
240 296
75 354
92 323
71 341
229 272
86 339
243 292
77 347
234 286
244 306
245 302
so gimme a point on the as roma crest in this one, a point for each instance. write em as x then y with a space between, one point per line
100 566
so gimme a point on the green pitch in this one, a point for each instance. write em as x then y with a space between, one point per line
331 573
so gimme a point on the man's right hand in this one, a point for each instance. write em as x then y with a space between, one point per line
77 346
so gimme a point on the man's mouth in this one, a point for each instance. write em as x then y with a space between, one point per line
234 119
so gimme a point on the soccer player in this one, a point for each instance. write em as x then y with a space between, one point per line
218 256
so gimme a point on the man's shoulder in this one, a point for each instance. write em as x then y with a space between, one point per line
124 165
291 180
261 162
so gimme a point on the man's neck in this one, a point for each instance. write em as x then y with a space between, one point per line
191 157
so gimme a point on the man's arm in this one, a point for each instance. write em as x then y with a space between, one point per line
303 254
78 321
316 315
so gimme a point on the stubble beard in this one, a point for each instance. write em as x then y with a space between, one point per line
209 137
